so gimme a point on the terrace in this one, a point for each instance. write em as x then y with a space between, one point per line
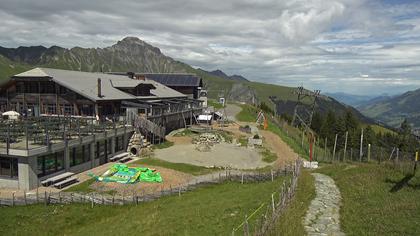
33 135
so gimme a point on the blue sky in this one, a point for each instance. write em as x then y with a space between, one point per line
353 46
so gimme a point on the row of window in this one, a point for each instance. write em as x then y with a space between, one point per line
8 167
54 162
39 87
50 163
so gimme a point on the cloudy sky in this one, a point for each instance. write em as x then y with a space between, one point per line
354 46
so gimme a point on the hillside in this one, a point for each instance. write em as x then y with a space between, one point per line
392 111
133 54
9 68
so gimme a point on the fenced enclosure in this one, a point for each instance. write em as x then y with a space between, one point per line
389 156
263 219
94 198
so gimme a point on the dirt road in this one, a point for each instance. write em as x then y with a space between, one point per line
284 153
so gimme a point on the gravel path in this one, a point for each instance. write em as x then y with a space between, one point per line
322 218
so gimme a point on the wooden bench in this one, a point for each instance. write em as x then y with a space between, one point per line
66 182
56 179
119 156
125 159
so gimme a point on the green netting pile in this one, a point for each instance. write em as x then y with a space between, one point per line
121 173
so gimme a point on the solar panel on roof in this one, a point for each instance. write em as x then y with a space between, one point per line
175 79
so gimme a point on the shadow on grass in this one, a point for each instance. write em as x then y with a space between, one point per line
404 182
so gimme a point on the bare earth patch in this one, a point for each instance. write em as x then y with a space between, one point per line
284 153
171 178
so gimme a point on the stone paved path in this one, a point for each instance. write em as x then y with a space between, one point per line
322 218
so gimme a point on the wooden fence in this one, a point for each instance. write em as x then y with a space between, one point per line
270 212
94 198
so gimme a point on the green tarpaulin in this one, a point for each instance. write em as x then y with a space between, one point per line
121 173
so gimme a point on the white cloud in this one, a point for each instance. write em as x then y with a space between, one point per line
323 44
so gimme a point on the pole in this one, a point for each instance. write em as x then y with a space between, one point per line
345 146
368 152
303 135
361 147
335 146
325 148
310 149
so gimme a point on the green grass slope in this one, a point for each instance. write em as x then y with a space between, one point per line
376 200
210 210
9 68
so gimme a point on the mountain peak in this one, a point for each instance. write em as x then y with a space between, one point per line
131 39
134 42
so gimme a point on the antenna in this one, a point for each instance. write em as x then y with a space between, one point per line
302 114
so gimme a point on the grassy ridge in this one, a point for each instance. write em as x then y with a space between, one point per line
211 210
375 199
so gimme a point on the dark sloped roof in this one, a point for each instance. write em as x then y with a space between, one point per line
85 83
185 80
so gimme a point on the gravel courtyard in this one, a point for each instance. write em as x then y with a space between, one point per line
223 154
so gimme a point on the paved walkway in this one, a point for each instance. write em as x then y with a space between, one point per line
323 216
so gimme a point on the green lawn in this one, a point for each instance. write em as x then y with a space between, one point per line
210 210
247 114
214 103
377 200
268 156
186 168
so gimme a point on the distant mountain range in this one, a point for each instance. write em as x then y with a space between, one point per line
133 54
393 110
356 100
222 74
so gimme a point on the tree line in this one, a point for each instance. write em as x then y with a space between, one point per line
329 124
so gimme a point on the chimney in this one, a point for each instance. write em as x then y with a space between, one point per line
99 88
130 74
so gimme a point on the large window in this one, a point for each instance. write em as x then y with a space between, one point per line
8 167
47 87
119 143
51 108
79 155
100 149
68 109
50 163
109 146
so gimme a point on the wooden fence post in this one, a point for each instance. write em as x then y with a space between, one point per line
361 146
13 199
272 175
368 157
246 226
303 136
24 197
345 146
335 146
273 203
325 148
